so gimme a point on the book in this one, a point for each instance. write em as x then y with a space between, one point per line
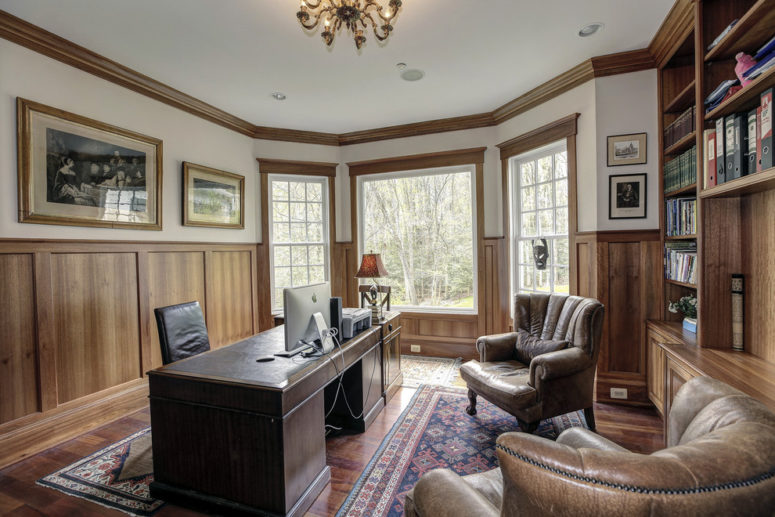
752 161
720 161
766 105
723 33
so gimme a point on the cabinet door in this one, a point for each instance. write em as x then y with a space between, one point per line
395 356
656 372
676 375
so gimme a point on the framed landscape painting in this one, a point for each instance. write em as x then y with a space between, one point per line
78 171
627 149
212 197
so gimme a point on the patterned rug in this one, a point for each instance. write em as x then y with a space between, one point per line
440 371
435 432
117 476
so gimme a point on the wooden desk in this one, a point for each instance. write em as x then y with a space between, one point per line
233 434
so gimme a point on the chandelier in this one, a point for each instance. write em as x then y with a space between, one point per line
356 15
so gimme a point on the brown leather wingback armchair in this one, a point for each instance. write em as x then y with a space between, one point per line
547 366
720 460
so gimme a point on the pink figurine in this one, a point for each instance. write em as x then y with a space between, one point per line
744 62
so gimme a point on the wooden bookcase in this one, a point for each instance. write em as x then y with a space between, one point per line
736 220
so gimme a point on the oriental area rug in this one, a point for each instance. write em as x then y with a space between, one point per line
433 432
419 370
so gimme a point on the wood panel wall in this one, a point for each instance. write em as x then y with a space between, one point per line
77 331
627 263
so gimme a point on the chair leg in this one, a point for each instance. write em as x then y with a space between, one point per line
589 415
528 428
471 409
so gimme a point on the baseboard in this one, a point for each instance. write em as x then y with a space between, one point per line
637 391
436 349
65 423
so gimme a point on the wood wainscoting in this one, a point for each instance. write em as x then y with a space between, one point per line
77 331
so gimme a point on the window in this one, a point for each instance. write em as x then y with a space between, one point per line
298 233
423 224
539 208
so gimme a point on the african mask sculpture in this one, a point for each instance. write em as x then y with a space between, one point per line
540 253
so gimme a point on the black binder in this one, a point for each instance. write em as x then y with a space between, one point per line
766 137
734 149
720 155
752 157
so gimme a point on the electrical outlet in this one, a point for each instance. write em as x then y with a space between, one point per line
619 393
415 348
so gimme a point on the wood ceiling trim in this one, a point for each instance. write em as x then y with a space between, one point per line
623 63
418 128
678 22
272 166
295 135
473 155
551 132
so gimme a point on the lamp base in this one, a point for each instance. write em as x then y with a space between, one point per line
376 314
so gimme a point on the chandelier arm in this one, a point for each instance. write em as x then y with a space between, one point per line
316 21
312 5
367 16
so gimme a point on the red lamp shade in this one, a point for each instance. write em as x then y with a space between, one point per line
371 266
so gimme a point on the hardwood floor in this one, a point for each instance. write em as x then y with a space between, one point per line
638 429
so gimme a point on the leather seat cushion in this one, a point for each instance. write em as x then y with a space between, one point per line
504 383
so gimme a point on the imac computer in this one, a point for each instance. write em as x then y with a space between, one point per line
300 306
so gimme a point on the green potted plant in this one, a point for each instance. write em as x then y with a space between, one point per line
688 307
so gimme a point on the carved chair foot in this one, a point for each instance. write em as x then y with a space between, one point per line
528 428
471 409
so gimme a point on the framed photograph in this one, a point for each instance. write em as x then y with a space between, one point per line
81 172
212 198
627 149
627 196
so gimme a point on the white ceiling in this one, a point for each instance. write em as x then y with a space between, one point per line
477 54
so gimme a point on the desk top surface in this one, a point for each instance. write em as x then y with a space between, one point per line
236 363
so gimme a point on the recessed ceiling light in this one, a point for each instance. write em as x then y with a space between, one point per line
412 74
590 29
278 96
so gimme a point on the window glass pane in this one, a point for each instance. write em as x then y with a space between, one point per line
526 277
561 193
282 256
542 281
316 255
546 221
561 280
278 297
314 192
299 256
561 252
282 277
298 212
280 190
545 195
561 165
527 173
427 219
562 220
315 232
300 276
282 232
299 232
528 198
298 190
316 274
529 224
526 252
545 169
279 211
314 212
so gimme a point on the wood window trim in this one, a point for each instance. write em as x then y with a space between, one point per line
273 166
471 156
564 128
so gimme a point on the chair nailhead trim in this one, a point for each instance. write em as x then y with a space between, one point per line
642 490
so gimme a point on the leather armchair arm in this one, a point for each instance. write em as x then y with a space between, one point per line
496 347
442 493
580 438
558 364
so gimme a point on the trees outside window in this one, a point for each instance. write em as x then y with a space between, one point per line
423 225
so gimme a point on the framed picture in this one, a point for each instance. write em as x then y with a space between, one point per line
627 149
77 171
212 198
627 196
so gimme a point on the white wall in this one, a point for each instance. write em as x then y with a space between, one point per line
24 73
626 104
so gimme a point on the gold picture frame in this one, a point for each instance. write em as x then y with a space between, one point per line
627 150
77 171
212 198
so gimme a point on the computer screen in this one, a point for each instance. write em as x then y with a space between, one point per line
300 303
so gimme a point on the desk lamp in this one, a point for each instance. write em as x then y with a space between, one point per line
372 267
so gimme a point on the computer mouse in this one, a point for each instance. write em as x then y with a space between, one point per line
264 358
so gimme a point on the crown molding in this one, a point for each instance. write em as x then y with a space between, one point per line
44 42
543 135
418 161
272 166
673 31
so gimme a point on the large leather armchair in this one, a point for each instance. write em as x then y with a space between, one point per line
513 374
720 460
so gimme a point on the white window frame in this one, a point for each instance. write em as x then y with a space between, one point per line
323 181
515 204
471 170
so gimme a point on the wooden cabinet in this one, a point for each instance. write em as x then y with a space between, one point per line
676 375
656 372
391 355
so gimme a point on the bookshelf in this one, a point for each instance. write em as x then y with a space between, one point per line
736 219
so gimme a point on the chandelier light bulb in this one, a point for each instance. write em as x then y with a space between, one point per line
328 22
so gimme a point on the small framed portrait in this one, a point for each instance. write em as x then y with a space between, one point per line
627 149
81 172
627 196
212 197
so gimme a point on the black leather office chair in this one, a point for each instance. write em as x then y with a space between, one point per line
182 331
